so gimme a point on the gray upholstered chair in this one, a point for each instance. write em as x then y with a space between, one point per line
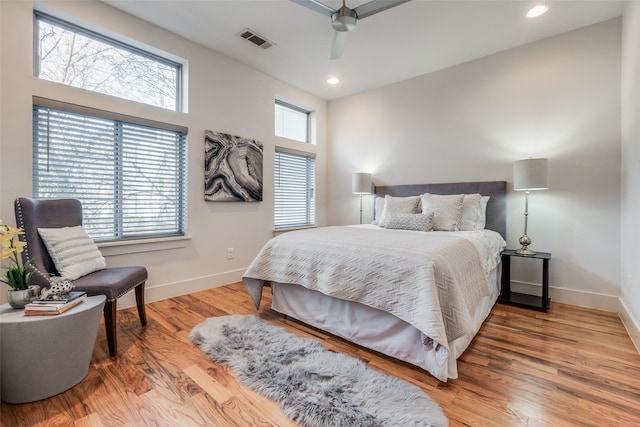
113 283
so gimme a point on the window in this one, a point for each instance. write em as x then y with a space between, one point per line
74 56
292 122
295 178
129 174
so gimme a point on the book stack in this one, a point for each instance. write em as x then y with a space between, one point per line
51 307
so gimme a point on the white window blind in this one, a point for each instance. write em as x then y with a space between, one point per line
295 178
291 122
130 177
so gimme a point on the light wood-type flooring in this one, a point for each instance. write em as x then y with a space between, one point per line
569 367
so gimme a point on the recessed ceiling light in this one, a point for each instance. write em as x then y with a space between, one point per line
538 10
333 80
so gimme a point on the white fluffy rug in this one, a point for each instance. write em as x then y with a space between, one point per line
314 386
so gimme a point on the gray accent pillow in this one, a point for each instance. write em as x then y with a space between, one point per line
416 222
447 210
406 205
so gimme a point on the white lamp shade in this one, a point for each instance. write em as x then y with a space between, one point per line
361 183
530 174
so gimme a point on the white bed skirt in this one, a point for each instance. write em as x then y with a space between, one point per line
377 329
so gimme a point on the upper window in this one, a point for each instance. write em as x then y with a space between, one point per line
295 181
74 56
129 174
292 122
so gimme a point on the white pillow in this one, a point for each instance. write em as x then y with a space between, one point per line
482 221
415 222
406 205
471 216
73 252
447 210
378 207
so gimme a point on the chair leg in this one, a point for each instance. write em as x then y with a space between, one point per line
110 326
140 303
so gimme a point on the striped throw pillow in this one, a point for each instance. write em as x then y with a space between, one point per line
73 252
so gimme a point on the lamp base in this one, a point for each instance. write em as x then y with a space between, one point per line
525 241
525 251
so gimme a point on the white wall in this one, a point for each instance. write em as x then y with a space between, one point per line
223 96
557 98
630 236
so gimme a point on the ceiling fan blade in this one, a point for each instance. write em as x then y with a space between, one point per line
339 38
376 6
316 6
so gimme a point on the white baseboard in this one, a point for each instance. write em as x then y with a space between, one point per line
566 296
630 323
170 290
570 296
587 299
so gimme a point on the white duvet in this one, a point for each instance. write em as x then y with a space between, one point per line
430 280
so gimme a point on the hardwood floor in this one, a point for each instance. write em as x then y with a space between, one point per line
569 367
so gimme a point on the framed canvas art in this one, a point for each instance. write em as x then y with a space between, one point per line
232 168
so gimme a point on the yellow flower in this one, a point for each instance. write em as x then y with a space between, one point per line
14 231
18 275
6 252
6 248
19 246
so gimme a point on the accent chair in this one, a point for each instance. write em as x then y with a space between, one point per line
112 282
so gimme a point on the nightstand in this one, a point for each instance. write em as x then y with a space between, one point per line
519 299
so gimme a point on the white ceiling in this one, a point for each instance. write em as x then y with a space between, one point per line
406 41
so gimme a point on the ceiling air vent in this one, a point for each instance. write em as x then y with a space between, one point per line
256 39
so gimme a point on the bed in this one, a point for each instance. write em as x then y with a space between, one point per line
413 295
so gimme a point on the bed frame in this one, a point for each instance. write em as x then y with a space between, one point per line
497 190
311 307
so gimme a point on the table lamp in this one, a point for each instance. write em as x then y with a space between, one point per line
529 175
361 184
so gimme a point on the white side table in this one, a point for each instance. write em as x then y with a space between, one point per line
41 356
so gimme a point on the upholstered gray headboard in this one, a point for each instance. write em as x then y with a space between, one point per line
496 208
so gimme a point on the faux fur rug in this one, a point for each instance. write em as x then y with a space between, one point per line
314 386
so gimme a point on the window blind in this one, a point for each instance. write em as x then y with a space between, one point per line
295 176
130 177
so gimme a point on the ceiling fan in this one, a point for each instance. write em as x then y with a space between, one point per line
345 19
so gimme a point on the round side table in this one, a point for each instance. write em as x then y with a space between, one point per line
41 356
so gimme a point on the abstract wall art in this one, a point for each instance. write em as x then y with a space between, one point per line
232 168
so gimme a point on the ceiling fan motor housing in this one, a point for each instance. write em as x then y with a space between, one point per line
344 19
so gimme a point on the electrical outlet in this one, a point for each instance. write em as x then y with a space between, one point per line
230 253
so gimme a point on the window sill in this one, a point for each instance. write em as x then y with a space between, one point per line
124 247
277 231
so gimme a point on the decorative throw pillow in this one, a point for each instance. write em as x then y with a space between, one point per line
482 221
471 205
73 252
447 210
406 205
378 207
416 222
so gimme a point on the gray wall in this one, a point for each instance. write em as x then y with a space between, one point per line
557 98
630 253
